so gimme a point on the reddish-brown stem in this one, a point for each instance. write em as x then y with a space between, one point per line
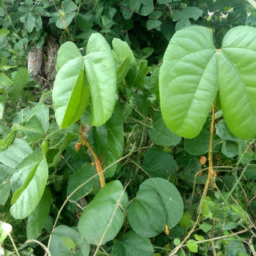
96 159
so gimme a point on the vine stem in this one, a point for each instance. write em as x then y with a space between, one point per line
96 159
211 176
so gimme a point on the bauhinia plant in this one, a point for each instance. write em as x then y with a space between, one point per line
194 73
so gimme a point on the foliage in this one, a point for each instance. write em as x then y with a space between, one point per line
88 160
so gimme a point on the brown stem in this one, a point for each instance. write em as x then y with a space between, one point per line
211 175
96 159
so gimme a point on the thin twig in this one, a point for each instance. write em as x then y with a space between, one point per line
42 245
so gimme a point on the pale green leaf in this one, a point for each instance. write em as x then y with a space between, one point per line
188 81
70 93
100 72
122 51
27 197
15 153
192 245
236 77
67 52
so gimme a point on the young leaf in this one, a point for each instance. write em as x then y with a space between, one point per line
122 51
32 175
236 77
188 81
100 69
70 95
103 217
132 244
67 241
37 218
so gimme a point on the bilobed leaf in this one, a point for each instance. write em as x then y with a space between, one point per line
170 197
103 217
146 214
25 199
100 69
37 218
188 81
131 244
83 173
70 93
236 77
156 197
19 83
67 241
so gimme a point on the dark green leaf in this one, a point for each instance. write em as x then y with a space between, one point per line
103 217
83 173
37 218
68 242
131 244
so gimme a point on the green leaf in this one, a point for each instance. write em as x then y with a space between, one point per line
250 172
5 80
183 16
83 173
188 81
161 135
146 214
236 79
132 244
192 245
15 153
199 145
68 51
32 174
103 217
121 52
100 70
115 136
19 82
4 192
229 149
156 197
158 163
68 242
37 218
65 21
206 227
30 22
122 70
70 94
224 133
151 24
